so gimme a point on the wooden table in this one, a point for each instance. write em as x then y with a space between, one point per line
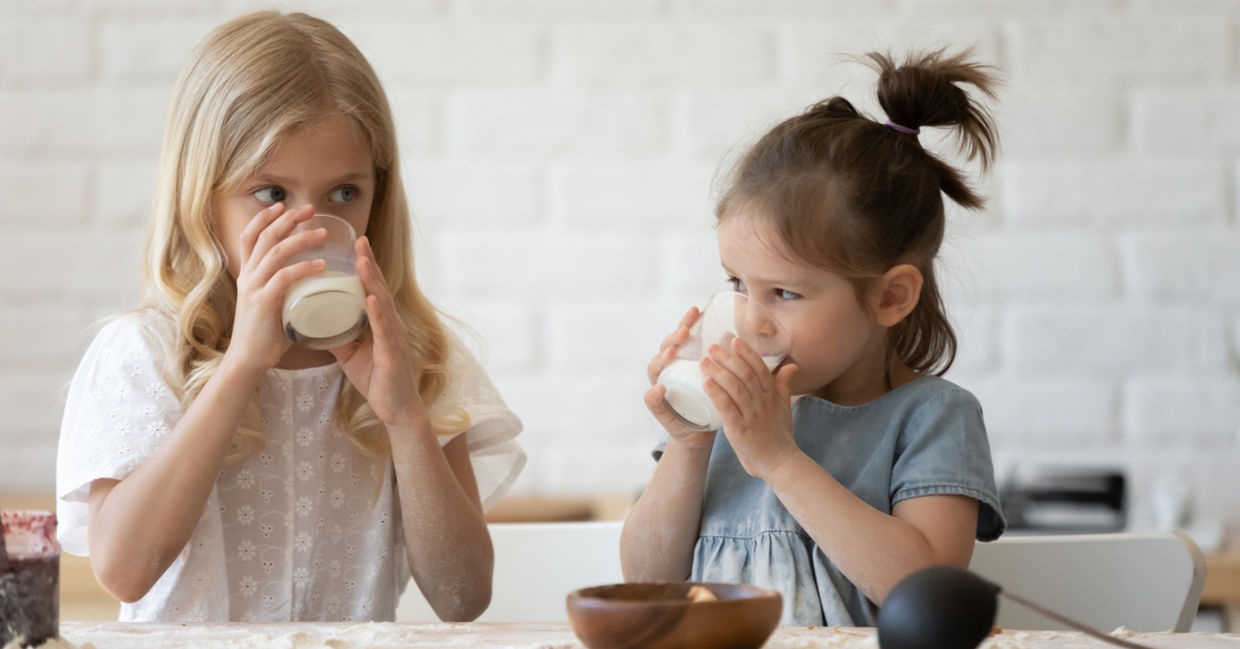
1222 587
120 635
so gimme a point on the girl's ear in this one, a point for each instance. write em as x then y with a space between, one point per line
896 294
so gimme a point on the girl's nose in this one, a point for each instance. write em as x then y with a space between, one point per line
757 321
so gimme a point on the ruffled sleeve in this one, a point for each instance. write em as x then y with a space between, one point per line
491 437
119 408
943 450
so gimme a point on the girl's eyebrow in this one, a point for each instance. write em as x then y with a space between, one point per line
349 177
785 283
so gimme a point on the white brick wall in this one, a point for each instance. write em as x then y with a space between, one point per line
560 155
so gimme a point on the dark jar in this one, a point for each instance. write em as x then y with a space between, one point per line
29 578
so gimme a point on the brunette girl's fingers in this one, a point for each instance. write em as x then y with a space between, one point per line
689 317
724 376
659 362
756 366
672 340
783 379
681 334
654 400
723 401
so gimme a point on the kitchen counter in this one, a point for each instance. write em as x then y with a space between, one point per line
118 635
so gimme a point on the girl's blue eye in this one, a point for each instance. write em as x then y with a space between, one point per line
785 294
344 194
272 194
737 285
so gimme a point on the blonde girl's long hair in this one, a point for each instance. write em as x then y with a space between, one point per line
247 85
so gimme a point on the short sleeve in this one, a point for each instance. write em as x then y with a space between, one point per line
119 408
943 450
491 437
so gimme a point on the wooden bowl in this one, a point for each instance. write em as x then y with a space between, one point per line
662 616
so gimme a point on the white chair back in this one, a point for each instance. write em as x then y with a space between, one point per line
536 566
1147 581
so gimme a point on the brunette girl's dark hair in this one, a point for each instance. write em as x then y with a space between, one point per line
857 197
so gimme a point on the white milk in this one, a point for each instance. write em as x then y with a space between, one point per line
683 379
325 310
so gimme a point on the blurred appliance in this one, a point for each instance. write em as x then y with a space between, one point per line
1064 499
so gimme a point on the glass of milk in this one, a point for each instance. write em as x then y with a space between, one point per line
727 315
328 309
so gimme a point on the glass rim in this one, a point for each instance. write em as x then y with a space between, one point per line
765 310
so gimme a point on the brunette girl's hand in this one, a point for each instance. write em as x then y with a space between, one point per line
654 397
379 364
263 279
754 403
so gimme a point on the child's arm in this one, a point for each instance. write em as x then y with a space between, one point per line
138 525
874 550
657 541
660 532
446 538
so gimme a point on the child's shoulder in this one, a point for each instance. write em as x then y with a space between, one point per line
930 389
147 329
929 398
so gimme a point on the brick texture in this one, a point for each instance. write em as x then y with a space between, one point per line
562 161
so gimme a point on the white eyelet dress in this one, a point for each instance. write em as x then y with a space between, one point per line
305 529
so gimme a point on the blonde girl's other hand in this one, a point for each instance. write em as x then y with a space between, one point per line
655 396
264 278
379 364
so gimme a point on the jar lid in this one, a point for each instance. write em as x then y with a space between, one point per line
28 535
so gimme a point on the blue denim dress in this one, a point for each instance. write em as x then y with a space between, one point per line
924 438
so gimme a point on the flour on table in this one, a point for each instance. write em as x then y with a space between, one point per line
52 643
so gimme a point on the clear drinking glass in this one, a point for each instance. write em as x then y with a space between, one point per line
727 315
328 309
29 578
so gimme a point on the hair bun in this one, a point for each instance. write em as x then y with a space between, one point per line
835 108
925 90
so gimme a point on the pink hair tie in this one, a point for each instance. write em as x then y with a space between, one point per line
902 129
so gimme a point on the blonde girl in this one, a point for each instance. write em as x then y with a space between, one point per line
854 463
211 470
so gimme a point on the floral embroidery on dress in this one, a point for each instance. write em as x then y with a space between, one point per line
287 527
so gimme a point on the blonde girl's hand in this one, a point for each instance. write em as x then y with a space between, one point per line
379 364
263 279
755 404
654 397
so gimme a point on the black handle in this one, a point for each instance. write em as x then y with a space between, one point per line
1073 623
